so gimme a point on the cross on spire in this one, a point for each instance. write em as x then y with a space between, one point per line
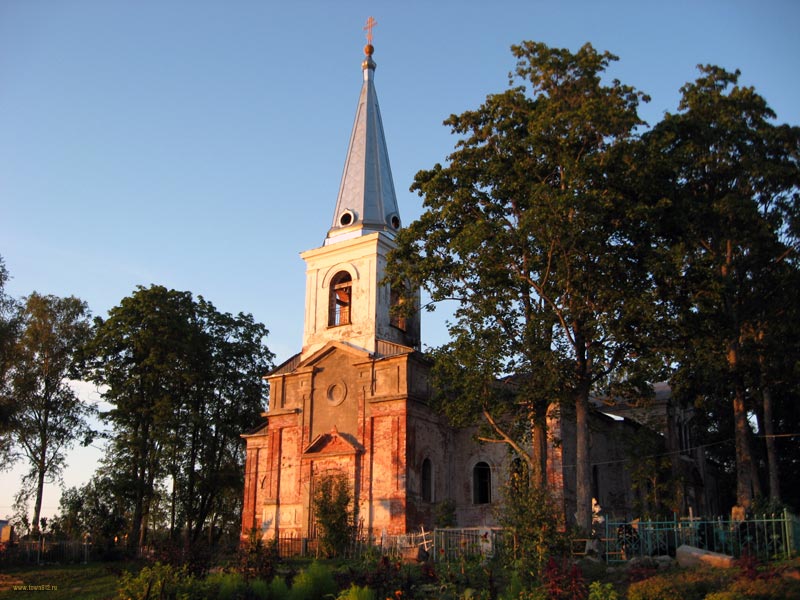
371 22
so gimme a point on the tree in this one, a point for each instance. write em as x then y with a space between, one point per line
732 177
534 228
184 380
49 417
95 509
9 330
334 512
532 517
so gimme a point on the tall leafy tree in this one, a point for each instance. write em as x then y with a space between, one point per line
229 395
48 417
732 176
139 354
184 380
9 328
532 226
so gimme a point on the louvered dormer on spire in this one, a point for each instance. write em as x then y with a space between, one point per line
345 300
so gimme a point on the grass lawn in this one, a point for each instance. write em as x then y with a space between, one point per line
97 581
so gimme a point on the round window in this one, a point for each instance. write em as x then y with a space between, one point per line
348 217
337 392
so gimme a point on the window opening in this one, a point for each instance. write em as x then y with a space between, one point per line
396 300
340 300
481 483
427 480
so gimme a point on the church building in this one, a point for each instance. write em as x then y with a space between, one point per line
354 400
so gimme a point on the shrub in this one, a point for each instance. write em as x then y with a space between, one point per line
355 592
229 586
314 583
533 519
257 559
335 513
688 585
602 591
758 589
259 589
564 581
278 590
160 581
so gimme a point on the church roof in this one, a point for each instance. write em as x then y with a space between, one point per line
367 202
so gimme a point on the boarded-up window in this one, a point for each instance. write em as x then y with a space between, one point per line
340 299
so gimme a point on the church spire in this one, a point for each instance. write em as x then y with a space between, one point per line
367 202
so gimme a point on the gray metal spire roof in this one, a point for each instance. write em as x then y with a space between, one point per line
367 202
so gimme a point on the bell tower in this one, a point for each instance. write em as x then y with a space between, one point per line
346 300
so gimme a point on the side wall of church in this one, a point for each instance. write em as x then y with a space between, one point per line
467 453
609 451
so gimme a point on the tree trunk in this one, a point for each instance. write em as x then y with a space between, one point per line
539 451
173 501
583 470
37 505
744 458
772 451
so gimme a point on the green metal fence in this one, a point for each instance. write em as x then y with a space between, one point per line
768 537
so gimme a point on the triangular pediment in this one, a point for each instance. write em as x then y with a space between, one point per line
331 443
332 347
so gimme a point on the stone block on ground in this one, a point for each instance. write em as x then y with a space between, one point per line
689 556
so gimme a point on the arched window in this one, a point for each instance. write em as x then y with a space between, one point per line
396 300
340 299
427 480
481 483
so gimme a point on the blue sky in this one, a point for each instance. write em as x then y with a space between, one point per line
199 144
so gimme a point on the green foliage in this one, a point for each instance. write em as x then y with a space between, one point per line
602 591
9 330
729 176
532 517
652 481
534 228
278 590
355 592
314 583
444 513
184 381
160 581
685 585
334 512
518 590
256 559
96 509
259 590
233 586
226 586
758 589
48 417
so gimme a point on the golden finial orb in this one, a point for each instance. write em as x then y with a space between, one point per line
369 49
